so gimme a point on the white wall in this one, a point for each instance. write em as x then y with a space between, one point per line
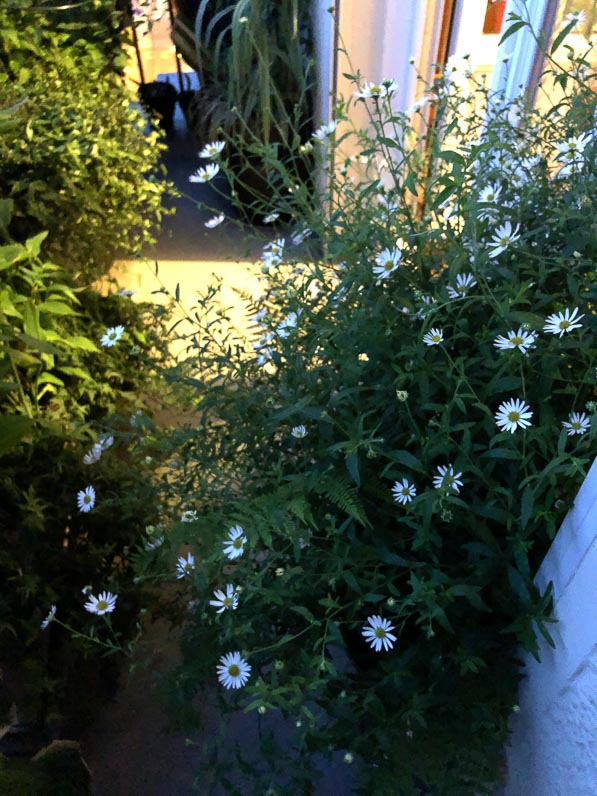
553 749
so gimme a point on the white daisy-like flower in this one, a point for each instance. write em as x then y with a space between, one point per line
153 543
463 284
433 337
270 218
502 238
214 221
111 336
521 340
212 149
93 455
299 237
225 601
387 262
49 617
234 546
490 194
378 634
574 16
383 89
577 423
563 322
287 325
86 499
299 432
403 491
512 414
233 671
573 147
105 603
190 515
323 133
447 478
205 174
106 441
185 566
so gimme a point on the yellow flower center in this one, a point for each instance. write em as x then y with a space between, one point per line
227 602
575 425
238 543
513 417
564 324
405 491
490 197
388 265
516 340
233 670
380 632
375 90
87 499
436 338
504 241
101 605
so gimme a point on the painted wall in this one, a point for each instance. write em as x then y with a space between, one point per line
553 749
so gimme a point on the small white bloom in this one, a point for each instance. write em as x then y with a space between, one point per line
185 566
49 617
573 148
403 491
112 336
212 150
447 478
234 546
233 671
104 604
205 174
190 515
561 322
387 262
106 441
323 133
378 634
463 283
490 194
93 455
214 221
225 601
270 218
502 238
521 340
87 589
574 16
153 543
86 499
577 423
512 414
287 325
299 432
299 237
433 337
383 89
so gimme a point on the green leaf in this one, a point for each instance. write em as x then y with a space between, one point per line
81 343
79 373
526 506
561 36
352 465
12 430
11 254
33 245
37 344
405 458
57 308
305 613
512 30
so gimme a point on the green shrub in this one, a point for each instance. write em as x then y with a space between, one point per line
399 437
77 160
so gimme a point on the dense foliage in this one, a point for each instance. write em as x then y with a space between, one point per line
379 465
77 160
76 359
